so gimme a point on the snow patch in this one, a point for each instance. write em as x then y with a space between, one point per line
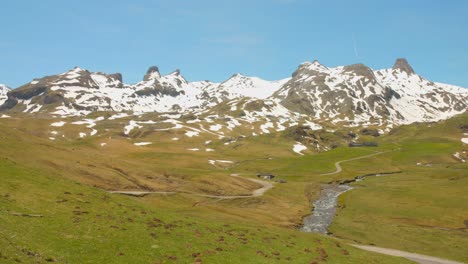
58 124
193 149
192 133
298 148
142 143
131 125
215 127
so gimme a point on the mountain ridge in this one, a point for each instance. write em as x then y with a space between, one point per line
349 95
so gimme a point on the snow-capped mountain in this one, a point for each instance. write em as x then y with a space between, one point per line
79 92
356 94
348 95
3 93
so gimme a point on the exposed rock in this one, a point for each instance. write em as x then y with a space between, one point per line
152 72
53 98
25 93
403 65
117 76
370 132
361 70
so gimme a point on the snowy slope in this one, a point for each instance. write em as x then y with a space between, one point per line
3 93
422 100
356 94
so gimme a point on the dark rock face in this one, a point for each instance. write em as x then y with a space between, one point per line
158 91
464 128
26 94
403 65
176 72
52 98
389 94
9 103
150 71
117 76
370 132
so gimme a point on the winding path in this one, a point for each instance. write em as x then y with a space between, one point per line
338 166
418 258
258 192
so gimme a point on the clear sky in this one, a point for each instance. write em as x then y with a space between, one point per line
213 39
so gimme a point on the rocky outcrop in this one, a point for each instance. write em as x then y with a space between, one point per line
152 73
403 65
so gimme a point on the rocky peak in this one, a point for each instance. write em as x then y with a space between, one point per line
360 70
176 72
403 65
152 73
117 76
310 68
236 76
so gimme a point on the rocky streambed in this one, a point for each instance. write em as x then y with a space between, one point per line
324 208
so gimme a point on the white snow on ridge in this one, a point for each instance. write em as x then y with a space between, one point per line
109 94
464 140
242 86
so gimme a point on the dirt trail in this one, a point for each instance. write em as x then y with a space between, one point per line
418 258
258 192
338 166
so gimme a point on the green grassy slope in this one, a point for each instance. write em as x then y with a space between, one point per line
81 224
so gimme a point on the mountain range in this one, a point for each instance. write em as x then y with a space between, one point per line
347 95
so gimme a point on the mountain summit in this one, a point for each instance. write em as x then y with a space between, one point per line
403 65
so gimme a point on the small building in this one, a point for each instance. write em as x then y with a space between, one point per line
363 144
266 176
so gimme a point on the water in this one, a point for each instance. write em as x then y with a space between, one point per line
324 209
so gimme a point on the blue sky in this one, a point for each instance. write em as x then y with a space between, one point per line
213 39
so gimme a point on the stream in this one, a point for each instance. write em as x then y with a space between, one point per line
324 208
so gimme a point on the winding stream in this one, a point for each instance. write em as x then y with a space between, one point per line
324 208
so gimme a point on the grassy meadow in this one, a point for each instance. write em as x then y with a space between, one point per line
423 209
